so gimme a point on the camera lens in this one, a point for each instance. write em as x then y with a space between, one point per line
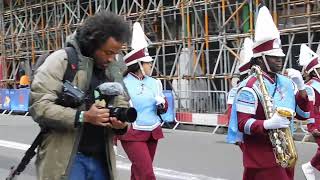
131 114
124 114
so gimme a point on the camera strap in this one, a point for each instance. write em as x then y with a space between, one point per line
28 155
72 66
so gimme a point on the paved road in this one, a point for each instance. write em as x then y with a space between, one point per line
182 155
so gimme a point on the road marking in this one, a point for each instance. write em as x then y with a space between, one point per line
160 172
169 174
14 145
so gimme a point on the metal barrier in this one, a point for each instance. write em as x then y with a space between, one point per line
201 108
201 101
14 100
208 108
302 125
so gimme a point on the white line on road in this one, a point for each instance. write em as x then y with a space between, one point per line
169 174
14 145
160 172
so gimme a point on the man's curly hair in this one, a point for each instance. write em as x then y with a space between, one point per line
94 32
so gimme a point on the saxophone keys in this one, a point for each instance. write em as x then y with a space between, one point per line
279 150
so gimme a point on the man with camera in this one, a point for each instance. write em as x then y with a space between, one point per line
78 139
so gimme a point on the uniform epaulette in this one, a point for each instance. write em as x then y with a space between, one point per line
251 81
315 84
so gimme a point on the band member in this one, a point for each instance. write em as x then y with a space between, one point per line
243 68
311 67
258 157
141 140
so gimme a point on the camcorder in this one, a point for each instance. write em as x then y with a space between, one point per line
108 91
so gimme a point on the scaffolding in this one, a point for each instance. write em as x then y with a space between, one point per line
195 43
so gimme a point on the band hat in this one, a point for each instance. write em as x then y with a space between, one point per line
308 59
267 36
269 48
245 56
137 55
139 44
139 39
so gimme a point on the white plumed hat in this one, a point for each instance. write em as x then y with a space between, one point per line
267 37
139 39
245 56
308 59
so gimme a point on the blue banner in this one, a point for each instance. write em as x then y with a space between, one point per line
5 100
169 116
19 99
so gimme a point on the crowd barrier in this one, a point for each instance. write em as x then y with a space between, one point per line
201 108
170 115
14 100
204 102
300 126
215 120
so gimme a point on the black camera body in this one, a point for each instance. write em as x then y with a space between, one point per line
71 96
108 91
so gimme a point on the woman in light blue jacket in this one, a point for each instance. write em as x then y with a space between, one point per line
146 95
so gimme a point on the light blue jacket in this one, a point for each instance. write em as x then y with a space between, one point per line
142 93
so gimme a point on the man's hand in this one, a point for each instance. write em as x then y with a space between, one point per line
315 133
117 124
101 117
97 116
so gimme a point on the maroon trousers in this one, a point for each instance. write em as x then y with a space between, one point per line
315 162
141 155
268 173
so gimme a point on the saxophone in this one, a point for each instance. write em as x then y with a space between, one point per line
281 139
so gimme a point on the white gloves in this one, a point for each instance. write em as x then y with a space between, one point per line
296 77
160 100
276 121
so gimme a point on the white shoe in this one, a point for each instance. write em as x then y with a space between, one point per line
308 171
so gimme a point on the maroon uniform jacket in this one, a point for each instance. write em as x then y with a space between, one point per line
257 148
314 96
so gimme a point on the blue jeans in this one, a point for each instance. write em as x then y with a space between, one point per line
87 168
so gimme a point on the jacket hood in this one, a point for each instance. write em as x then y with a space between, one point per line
71 40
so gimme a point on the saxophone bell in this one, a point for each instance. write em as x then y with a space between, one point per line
285 112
